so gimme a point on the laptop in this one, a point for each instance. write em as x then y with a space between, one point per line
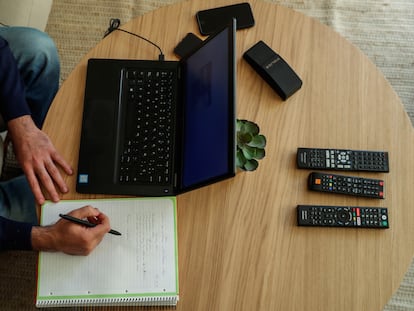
160 128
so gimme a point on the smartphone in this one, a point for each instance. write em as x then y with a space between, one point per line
211 20
189 43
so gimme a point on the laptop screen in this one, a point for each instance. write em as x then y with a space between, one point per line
209 110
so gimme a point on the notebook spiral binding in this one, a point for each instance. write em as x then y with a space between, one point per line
117 301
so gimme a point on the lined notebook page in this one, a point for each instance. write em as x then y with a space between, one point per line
141 262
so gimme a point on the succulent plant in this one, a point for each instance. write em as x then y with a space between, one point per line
250 145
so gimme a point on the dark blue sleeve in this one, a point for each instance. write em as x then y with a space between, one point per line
12 95
15 235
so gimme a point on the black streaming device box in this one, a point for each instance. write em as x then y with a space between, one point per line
273 69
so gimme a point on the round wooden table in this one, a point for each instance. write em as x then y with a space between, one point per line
239 245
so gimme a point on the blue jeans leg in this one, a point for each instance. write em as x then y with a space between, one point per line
38 62
17 201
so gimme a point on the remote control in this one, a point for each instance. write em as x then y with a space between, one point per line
363 187
343 216
342 159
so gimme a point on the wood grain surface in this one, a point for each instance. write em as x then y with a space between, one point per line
239 246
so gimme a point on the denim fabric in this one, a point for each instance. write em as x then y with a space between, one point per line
38 62
17 201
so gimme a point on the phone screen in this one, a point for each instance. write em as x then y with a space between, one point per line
213 19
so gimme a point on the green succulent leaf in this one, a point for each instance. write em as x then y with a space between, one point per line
240 159
244 138
258 141
248 152
251 128
239 124
251 165
260 154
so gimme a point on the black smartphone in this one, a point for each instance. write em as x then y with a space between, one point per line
211 20
189 43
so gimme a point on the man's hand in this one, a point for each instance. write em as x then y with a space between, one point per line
70 238
38 158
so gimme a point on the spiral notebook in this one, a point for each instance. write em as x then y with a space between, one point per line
138 268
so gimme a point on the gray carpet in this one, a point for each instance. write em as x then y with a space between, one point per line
382 29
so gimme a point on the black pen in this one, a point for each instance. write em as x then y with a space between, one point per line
85 223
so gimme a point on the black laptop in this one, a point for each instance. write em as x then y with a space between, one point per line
154 128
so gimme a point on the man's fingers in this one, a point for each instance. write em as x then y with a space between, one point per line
46 174
47 182
85 212
104 225
34 185
56 176
57 158
93 213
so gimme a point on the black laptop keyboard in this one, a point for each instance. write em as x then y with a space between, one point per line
147 150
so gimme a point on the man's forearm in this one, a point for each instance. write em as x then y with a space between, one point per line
43 239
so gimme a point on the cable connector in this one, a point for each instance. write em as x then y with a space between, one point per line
114 24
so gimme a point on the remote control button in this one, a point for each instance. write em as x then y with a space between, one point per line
344 216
